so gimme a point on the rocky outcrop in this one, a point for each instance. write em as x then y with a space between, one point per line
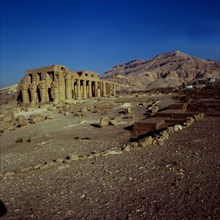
165 70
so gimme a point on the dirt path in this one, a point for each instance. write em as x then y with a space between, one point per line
178 180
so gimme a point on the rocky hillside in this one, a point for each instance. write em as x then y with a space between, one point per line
165 70
9 89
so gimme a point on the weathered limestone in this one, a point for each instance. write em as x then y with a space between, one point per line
58 84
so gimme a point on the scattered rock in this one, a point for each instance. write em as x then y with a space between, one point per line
21 120
49 117
36 118
59 160
74 157
104 121
4 125
113 152
126 148
8 117
128 111
155 109
9 173
145 141
50 108
38 166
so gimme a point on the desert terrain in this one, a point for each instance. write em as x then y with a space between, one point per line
83 160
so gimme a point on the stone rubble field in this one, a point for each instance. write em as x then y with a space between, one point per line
80 161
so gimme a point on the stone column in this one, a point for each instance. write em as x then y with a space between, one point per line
61 86
55 92
113 93
90 89
78 89
84 89
43 91
99 90
33 89
25 96
68 87
104 88
47 79
96 89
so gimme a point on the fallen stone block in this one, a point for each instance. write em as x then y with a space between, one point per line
36 118
115 121
148 125
4 125
74 157
8 117
145 141
21 120
104 121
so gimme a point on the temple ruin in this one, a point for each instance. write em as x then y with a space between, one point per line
57 84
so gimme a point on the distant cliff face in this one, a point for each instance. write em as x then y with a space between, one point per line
165 70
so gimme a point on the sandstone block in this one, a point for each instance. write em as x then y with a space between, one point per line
104 121
128 110
38 166
59 160
22 121
74 157
36 118
114 122
126 148
155 109
49 117
114 152
4 125
9 117
145 141
9 173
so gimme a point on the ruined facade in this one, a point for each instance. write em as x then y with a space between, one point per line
56 84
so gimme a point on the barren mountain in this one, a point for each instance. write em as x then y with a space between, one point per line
165 70
9 89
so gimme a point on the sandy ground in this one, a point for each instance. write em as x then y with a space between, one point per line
177 180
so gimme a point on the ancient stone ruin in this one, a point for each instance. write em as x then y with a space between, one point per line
57 84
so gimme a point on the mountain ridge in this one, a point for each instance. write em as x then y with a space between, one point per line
169 69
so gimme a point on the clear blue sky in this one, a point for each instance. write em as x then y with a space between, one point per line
98 34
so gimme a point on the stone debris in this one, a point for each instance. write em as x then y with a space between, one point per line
9 173
126 148
7 121
22 121
4 125
104 121
49 117
145 141
116 120
59 160
113 152
74 157
36 118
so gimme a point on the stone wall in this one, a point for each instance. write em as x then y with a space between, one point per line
56 84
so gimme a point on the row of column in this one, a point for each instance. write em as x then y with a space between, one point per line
65 88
